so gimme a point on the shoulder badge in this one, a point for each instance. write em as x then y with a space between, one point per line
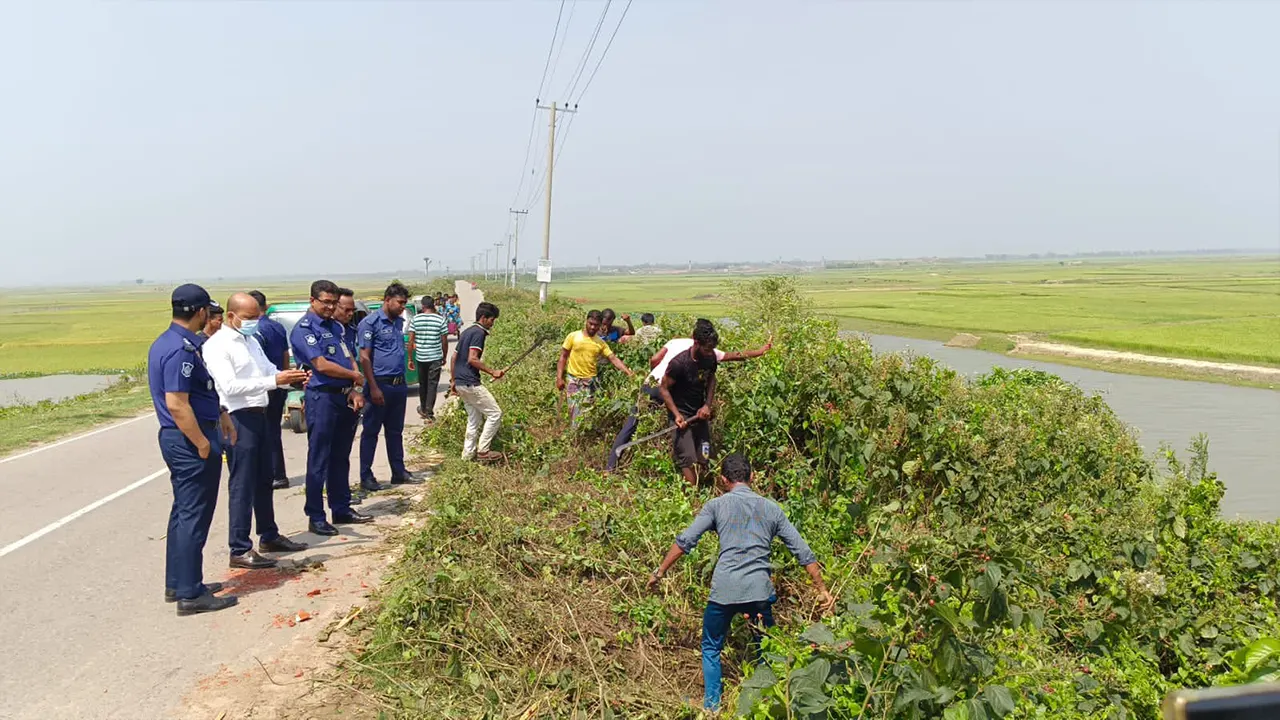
311 339
368 334
305 322
187 368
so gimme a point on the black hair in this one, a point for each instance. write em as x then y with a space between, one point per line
609 312
428 302
594 315
262 299
396 289
701 323
346 292
735 468
321 287
705 335
647 318
215 310
486 310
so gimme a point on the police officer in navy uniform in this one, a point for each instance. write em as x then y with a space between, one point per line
348 314
382 359
192 432
274 340
333 402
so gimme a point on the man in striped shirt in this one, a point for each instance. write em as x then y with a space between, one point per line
428 347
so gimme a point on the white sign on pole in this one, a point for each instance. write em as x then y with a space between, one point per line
544 271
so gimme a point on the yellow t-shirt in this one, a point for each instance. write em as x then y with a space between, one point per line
584 353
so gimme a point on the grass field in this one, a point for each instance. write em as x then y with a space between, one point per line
99 330
1206 308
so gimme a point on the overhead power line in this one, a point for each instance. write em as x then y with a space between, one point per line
533 120
586 54
604 53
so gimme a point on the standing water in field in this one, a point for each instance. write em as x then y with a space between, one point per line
28 391
1242 424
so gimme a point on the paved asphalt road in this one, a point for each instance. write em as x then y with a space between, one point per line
81 612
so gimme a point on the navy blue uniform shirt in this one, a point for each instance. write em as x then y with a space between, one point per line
314 337
174 365
385 338
349 337
274 340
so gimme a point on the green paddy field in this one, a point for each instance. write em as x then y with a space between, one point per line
1209 308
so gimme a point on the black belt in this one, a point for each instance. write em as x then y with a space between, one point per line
258 410
331 389
389 379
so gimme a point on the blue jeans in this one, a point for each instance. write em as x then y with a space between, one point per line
249 487
715 627
195 495
331 429
389 415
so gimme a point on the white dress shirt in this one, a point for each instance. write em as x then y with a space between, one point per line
240 370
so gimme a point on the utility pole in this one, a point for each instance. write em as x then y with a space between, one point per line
486 263
427 261
506 269
543 287
515 254
497 259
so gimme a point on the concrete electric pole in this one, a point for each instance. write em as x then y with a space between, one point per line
544 287
515 254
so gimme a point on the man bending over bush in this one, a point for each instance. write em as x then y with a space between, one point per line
741 584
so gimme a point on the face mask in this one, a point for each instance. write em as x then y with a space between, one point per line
248 327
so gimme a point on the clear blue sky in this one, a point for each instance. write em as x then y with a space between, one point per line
170 140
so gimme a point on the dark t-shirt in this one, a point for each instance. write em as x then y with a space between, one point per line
689 378
463 373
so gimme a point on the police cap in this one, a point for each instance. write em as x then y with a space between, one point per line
190 297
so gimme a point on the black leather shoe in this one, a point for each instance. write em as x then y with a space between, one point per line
356 499
280 484
205 603
322 528
355 518
409 479
172 595
371 485
280 544
251 560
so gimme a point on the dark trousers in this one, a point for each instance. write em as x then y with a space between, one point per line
195 495
630 424
389 415
249 489
276 400
715 627
428 386
331 429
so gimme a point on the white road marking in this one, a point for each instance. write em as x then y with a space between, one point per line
91 433
82 511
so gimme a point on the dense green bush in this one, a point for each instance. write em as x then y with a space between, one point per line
1002 547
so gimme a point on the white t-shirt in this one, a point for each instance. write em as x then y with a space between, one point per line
674 348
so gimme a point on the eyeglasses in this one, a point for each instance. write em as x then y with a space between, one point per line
326 303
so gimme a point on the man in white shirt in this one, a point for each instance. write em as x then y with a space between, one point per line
659 362
244 377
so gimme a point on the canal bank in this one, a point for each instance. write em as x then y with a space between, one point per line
1242 424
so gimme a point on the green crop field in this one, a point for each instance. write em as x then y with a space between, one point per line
1211 308
100 329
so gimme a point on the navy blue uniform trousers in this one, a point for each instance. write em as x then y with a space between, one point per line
195 495
389 415
331 429
249 489
276 400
